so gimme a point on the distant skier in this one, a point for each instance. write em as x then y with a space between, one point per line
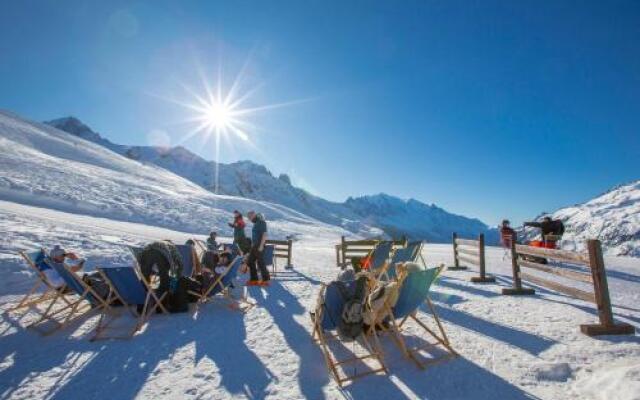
507 234
551 230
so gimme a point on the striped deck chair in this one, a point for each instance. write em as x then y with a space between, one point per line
86 300
411 253
222 286
414 291
132 290
325 322
34 296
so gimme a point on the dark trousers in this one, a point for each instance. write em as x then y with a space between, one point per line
256 262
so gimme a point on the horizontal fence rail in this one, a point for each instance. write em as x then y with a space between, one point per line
471 252
349 249
596 277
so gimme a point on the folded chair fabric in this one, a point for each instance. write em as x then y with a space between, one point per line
326 319
133 292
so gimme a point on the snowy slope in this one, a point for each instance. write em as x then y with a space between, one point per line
247 179
44 166
613 218
510 347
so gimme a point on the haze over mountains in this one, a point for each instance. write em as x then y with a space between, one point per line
395 216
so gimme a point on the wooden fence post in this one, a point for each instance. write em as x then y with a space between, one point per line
517 288
343 247
483 278
289 251
456 263
607 325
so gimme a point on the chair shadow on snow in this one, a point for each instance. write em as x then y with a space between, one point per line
120 369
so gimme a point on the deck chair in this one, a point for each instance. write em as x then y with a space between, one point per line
414 291
132 290
190 261
34 297
222 286
268 257
411 253
325 322
85 301
380 256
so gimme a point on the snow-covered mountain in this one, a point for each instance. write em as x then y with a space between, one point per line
47 167
613 218
394 216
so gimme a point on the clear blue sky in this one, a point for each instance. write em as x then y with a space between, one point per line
488 109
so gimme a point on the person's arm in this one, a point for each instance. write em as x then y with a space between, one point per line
263 240
533 224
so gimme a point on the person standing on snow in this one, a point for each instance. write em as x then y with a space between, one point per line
238 228
547 227
256 258
212 243
507 234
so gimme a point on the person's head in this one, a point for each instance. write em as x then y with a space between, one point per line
237 214
546 219
251 215
210 259
505 223
57 254
213 234
225 258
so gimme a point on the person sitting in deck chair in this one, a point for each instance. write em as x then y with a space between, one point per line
212 243
551 230
59 255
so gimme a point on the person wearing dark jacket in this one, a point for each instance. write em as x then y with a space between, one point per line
256 259
548 226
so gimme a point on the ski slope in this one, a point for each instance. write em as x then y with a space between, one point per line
510 347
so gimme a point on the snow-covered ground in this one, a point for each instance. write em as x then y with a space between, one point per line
510 347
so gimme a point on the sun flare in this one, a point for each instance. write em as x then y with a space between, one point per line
219 116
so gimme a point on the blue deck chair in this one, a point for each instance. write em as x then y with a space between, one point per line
414 291
327 316
401 256
34 297
222 285
86 300
132 290
380 256
268 256
190 262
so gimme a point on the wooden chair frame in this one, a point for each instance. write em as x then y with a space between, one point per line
395 329
74 309
28 302
333 364
141 317
235 303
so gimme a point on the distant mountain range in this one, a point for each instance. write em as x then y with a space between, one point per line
394 216
613 218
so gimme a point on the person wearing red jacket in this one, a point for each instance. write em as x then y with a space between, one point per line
507 234
238 229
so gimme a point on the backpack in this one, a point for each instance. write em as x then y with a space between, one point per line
351 319
178 300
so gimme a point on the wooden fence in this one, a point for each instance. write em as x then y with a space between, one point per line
470 252
594 275
348 249
281 249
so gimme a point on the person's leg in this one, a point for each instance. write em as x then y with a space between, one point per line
253 273
264 272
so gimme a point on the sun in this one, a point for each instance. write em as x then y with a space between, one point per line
218 115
